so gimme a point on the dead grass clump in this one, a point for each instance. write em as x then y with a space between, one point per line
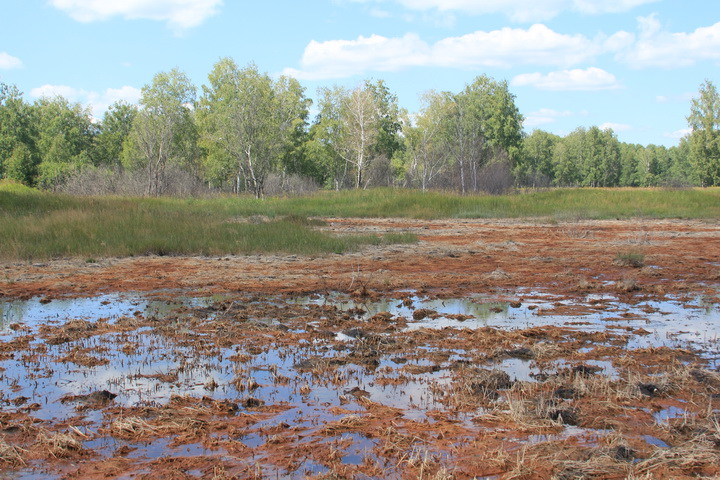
424 464
60 445
131 427
488 382
627 284
598 466
697 457
422 313
498 275
83 358
10 455
187 429
79 326
347 423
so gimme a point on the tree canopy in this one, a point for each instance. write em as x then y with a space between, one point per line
247 128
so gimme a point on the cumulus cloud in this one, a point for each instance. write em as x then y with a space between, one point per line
656 47
507 47
681 98
345 58
545 116
538 45
522 10
569 80
678 134
615 127
97 102
179 14
8 62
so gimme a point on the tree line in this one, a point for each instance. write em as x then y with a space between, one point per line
244 131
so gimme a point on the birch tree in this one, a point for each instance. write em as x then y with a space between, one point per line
349 124
704 120
163 130
249 120
426 147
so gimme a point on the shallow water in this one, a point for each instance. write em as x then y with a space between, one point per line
159 365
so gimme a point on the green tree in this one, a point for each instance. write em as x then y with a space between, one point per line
325 135
630 168
567 156
18 132
389 143
249 123
535 165
679 170
425 154
704 141
163 131
114 131
600 158
486 126
349 125
65 139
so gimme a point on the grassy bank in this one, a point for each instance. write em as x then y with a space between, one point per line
38 225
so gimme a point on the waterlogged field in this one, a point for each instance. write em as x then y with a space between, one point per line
489 349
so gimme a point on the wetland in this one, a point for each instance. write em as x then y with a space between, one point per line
488 349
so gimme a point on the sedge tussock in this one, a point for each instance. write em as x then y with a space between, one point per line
348 422
691 456
10 454
131 427
60 445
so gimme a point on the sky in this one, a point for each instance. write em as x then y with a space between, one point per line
630 65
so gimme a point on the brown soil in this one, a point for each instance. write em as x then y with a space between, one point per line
453 257
463 416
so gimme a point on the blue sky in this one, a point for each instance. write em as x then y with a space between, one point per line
631 65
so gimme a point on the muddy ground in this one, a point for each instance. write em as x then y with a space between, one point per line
580 350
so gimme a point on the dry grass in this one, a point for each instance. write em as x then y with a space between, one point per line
348 422
60 445
10 455
132 427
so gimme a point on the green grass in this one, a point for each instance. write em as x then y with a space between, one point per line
37 225
560 204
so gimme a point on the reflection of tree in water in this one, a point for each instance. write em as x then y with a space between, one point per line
11 312
457 306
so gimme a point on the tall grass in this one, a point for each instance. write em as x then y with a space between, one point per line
557 203
39 225
36 226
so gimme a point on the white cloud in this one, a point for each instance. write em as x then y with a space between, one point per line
615 127
8 62
569 80
345 58
506 47
537 45
656 47
378 13
179 14
522 10
97 102
678 134
545 116
51 91
682 98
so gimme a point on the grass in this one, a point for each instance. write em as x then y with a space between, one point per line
39 225
633 259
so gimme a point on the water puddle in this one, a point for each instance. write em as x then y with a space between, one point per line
664 416
654 441
328 366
